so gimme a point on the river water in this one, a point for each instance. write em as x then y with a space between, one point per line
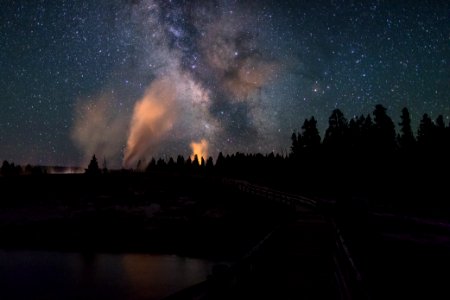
57 275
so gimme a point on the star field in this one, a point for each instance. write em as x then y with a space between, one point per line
243 75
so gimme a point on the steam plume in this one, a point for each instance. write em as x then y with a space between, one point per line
153 117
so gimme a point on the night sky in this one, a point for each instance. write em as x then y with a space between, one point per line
131 79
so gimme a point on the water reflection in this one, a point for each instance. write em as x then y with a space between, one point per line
161 276
54 275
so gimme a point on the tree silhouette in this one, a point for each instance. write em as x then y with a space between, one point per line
354 132
425 132
28 169
336 134
171 164
367 132
188 163
406 139
151 165
220 162
440 122
180 161
294 146
195 162
161 163
384 130
93 168
5 168
209 163
311 137
440 134
359 132
203 163
297 145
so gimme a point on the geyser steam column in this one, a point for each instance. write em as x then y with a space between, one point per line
153 117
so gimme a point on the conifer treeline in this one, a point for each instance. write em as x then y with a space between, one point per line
367 135
360 137
355 142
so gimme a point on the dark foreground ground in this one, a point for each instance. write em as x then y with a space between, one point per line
397 255
184 215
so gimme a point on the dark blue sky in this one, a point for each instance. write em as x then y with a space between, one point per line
241 76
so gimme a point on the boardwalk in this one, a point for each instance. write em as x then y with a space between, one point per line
389 257
296 262
304 258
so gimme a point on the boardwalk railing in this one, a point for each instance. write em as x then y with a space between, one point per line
347 276
271 194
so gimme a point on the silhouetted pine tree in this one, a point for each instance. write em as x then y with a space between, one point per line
220 162
180 162
367 132
384 130
171 164
297 145
360 139
151 165
440 125
294 145
195 163
93 168
310 136
6 168
425 132
203 163
354 132
209 163
161 164
440 134
406 140
336 134
447 138
188 164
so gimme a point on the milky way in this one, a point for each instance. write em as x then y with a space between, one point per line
128 80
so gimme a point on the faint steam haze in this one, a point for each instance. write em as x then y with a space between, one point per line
200 149
99 130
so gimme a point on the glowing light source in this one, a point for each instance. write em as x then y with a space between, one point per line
200 149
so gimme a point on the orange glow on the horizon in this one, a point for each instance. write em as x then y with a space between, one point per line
200 149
